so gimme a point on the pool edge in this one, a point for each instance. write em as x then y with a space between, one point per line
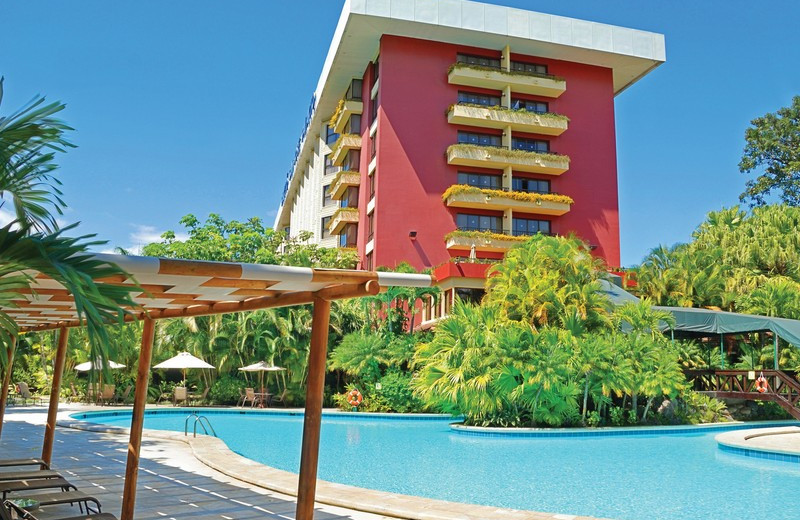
214 453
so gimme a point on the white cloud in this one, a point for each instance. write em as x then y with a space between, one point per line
144 234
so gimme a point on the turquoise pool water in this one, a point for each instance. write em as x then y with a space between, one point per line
670 476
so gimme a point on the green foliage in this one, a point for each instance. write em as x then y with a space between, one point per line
617 416
700 408
594 420
226 390
773 149
396 393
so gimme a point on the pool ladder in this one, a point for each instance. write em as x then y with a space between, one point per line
202 420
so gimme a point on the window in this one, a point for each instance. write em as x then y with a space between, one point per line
325 224
377 69
535 68
372 147
329 167
530 145
348 236
480 180
372 184
524 227
469 295
354 90
481 61
530 185
373 110
351 160
287 231
479 139
350 199
330 135
468 222
531 106
370 225
369 265
354 124
478 99
326 195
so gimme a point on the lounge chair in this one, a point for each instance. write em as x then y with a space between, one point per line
123 398
249 397
34 484
180 395
9 463
51 499
28 475
74 396
242 397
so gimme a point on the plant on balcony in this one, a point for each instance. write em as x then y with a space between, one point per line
456 66
338 111
341 174
464 189
345 213
544 117
514 154
485 235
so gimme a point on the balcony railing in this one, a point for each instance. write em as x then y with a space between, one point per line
343 180
520 120
345 143
341 219
345 109
525 82
480 156
471 197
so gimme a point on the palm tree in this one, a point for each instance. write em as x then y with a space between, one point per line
29 139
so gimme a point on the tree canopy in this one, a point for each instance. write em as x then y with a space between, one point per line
773 149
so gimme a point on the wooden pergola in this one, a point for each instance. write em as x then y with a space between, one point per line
181 288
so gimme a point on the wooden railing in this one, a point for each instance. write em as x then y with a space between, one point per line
782 387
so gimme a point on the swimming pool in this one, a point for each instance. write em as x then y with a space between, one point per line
654 476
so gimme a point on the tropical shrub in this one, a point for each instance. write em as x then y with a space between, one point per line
396 393
226 390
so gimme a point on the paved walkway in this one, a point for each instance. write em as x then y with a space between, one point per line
784 440
172 483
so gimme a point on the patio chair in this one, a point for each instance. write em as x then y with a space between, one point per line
278 399
249 397
67 497
242 397
8 463
74 395
25 394
31 474
123 398
199 398
180 395
107 395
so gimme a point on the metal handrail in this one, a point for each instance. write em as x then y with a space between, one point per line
198 419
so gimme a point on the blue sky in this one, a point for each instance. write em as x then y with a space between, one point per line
195 106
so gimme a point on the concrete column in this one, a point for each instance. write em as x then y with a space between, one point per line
505 62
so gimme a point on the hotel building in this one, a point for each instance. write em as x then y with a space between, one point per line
444 129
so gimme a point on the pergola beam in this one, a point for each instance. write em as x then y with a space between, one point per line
12 348
55 394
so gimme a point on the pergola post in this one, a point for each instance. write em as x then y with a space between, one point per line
722 351
7 379
775 336
137 420
55 394
309 454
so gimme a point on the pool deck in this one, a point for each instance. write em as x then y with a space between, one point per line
182 477
777 441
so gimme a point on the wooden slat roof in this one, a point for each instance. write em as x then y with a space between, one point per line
174 288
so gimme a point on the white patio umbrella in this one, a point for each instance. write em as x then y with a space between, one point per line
183 361
97 364
261 367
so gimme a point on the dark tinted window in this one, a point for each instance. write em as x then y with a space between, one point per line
531 106
480 180
530 185
470 295
481 61
325 233
478 99
535 68
479 139
469 222
524 226
330 135
530 145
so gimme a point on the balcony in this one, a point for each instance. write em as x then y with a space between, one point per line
341 219
498 79
344 144
471 197
343 180
500 117
345 109
484 241
499 158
